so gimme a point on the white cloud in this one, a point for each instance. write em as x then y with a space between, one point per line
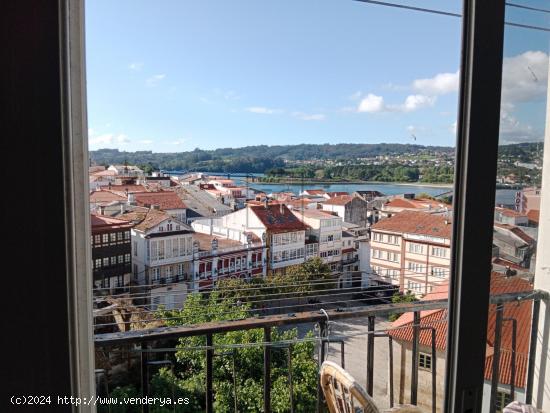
415 102
440 84
135 66
306 116
524 78
372 104
452 128
180 141
514 131
109 139
263 110
155 80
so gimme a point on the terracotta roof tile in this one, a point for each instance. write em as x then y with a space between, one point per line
402 327
278 218
146 219
416 222
103 221
339 200
165 200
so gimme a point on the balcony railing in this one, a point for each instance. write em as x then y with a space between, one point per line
326 342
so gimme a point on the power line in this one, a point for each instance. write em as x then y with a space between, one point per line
521 6
446 13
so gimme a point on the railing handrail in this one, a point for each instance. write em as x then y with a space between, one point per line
169 332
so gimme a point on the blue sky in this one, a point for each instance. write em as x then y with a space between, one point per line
175 75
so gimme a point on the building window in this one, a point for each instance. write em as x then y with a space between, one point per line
438 272
113 237
425 361
119 236
415 248
503 399
168 227
105 239
439 252
120 259
135 249
155 274
97 239
127 258
105 262
135 271
127 235
98 263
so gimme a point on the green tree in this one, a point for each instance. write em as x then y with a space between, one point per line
408 297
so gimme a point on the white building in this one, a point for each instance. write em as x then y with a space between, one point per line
162 248
283 233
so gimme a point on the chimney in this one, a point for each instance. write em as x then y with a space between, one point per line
156 207
266 202
101 210
122 208
131 198
281 209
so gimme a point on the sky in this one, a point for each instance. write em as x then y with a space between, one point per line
175 75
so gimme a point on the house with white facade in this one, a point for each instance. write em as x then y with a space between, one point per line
162 248
325 230
283 233
126 170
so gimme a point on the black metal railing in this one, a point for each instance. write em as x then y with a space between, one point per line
144 338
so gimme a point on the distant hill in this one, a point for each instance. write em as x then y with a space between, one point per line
257 158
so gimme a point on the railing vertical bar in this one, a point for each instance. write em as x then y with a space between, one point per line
370 355
496 358
532 352
513 359
144 376
267 370
209 378
322 334
390 373
290 384
434 373
414 361
342 354
235 381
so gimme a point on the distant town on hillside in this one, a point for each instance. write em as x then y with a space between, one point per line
384 162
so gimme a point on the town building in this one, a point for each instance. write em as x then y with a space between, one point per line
369 195
513 344
411 250
126 170
162 247
279 229
349 208
325 234
111 254
166 201
511 217
200 204
514 244
216 257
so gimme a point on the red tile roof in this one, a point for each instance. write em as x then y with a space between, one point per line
102 222
278 218
416 222
339 200
509 212
337 193
165 200
315 191
521 311
533 215
518 232
105 196
145 219
131 188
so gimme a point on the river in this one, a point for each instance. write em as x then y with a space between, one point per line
503 196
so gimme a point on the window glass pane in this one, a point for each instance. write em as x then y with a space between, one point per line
518 234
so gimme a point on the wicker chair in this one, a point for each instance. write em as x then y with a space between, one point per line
344 395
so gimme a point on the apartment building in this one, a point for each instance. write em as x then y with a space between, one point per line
111 253
162 247
216 257
325 234
411 250
282 232
351 209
